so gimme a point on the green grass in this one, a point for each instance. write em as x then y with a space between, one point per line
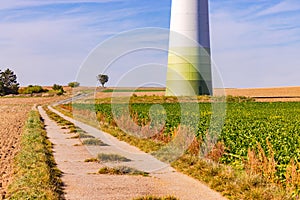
122 170
156 198
35 175
112 158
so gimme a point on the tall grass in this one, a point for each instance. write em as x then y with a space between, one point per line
35 175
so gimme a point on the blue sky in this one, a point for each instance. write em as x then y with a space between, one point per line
255 43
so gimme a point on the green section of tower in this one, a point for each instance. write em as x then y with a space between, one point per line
189 72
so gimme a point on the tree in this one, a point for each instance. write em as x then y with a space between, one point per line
74 84
102 78
8 83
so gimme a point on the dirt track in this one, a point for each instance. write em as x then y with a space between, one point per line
81 184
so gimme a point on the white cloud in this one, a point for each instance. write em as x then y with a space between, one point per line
256 51
283 6
49 48
13 4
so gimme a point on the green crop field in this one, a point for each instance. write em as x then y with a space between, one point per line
273 127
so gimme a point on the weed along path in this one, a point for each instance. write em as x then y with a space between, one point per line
82 180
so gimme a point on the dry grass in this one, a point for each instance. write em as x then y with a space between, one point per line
233 184
156 198
102 157
293 178
122 170
259 163
93 142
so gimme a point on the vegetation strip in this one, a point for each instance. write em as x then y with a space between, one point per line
93 142
122 170
103 157
112 158
36 175
156 198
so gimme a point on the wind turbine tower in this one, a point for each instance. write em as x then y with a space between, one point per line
189 60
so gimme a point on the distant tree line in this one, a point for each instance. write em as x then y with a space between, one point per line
9 85
32 89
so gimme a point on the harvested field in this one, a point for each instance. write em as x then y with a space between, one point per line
14 112
284 94
268 94
29 100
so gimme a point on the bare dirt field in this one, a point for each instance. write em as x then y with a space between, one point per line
268 94
13 114
12 120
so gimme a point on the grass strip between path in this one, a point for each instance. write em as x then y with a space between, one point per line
122 170
156 198
36 175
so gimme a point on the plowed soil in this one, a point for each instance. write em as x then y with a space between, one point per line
12 120
13 114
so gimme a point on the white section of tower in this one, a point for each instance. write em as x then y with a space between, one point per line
189 62
191 18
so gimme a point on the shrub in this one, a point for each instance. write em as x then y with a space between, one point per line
32 89
74 84
59 89
239 99
60 92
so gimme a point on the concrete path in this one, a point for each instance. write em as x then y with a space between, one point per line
82 184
